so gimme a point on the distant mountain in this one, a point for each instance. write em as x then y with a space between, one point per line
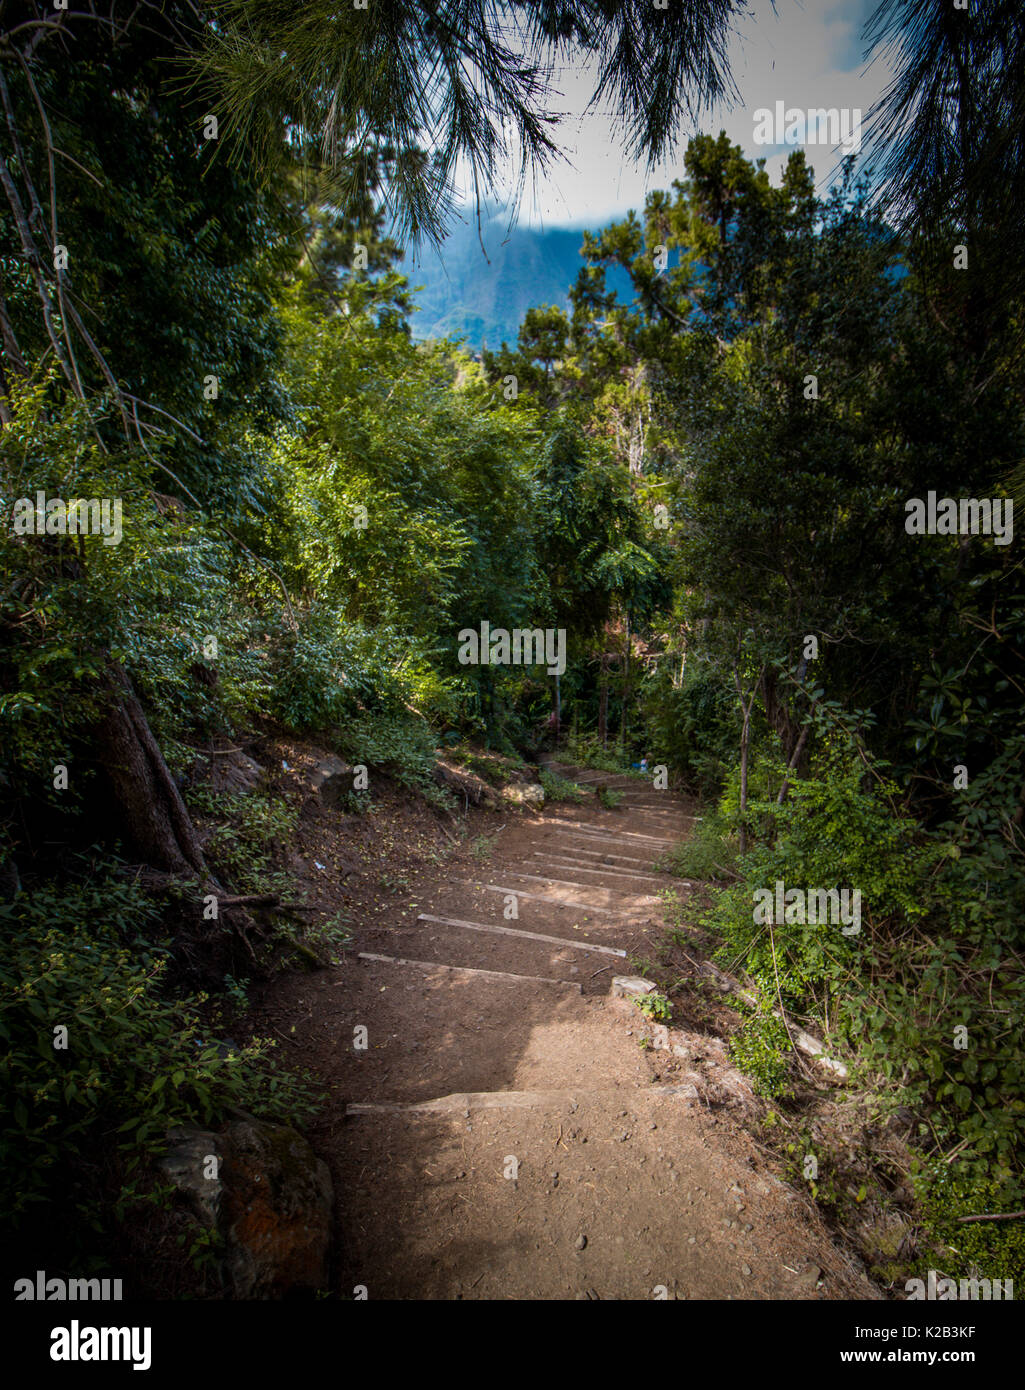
484 297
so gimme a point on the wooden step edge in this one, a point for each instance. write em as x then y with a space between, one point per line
469 970
496 930
462 1102
587 887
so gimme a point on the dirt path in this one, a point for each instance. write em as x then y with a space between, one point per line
504 1134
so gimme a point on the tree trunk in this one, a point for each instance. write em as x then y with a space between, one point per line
746 708
794 759
156 819
744 740
603 701
626 688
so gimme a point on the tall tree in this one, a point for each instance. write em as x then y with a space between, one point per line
469 77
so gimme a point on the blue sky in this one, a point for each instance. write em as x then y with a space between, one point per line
806 54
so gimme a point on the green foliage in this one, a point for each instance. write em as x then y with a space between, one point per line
176 255
609 797
655 1006
585 750
267 65
334 934
995 1248
152 600
558 788
831 833
400 744
709 853
761 1048
137 1060
691 719
897 993
243 833
356 803
399 498
494 768
321 674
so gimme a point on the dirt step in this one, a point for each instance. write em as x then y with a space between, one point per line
637 794
493 929
595 888
480 971
433 1030
636 928
605 831
549 908
603 1194
464 1103
570 904
577 841
595 872
584 776
485 945
564 842
648 796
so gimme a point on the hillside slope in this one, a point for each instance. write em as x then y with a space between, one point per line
480 286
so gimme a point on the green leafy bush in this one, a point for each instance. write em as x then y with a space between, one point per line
928 997
585 750
709 853
136 1061
996 1249
831 833
401 744
691 719
326 672
761 1048
558 788
243 833
655 1006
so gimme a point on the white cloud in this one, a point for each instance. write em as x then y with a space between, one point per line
800 55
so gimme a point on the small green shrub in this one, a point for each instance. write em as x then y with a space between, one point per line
244 833
927 996
401 744
760 1048
558 788
586 751
323 673
710 853
335 933
655 1006
692 721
